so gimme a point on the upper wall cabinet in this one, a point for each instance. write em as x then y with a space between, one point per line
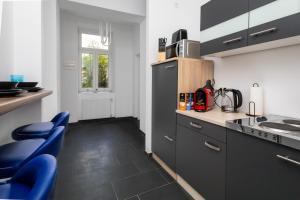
240 26
218 11
276 20
253 4
223 25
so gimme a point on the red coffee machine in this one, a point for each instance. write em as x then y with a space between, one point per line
205 98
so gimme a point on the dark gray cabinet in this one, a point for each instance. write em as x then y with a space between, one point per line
253 4
260 170
217 11
164 104
200 159
228 42
279 29
241 24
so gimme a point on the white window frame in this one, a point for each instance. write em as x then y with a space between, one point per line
95 53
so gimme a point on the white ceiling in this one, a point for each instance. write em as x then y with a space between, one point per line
99 13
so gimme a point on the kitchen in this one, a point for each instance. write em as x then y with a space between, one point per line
191 112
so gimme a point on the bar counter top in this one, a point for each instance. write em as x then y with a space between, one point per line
8 104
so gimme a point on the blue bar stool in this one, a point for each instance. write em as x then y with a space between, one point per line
34 181
15 155
41 129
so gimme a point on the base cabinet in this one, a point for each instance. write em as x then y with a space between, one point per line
169 79
164 99
257 169
201 161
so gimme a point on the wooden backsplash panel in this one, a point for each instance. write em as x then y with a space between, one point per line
193 74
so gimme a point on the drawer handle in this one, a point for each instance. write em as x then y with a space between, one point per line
270 30
195 125
168 138
215 148
170 66
286 158
233 40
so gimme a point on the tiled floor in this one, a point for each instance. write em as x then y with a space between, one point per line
105 160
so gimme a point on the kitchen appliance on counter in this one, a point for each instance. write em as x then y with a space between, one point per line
231 99
274 128
179 35
162 49
184 49
204 98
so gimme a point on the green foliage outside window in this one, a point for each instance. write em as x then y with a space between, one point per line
87 71
103 72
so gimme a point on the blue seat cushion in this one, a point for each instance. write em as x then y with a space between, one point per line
38 128
12 155
14 191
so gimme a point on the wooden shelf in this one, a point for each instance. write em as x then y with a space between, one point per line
11 103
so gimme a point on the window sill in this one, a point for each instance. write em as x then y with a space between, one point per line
96 92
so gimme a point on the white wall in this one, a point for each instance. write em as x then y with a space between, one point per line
276 70
21 53
24 115
164 18
27 39
6 42
50 57
136 7
122 56
1 6
123 62
136 72
143 76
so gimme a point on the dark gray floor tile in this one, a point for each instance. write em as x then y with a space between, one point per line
117 172
166 176
138 184
133 198
104 191
99 152
146 164
169 192
130 155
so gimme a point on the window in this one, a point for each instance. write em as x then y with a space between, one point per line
92 42
95 66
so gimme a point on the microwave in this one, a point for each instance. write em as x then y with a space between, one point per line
184 49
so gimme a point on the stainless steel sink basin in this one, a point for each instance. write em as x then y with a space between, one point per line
280 127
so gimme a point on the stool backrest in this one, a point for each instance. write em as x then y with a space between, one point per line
38 174
61 119
52 144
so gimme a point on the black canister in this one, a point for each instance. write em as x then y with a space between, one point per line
162 44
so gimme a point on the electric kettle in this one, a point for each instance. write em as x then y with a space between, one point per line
231 99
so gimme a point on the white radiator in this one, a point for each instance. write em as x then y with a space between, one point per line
96 107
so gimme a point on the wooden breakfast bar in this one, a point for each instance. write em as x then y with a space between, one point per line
11 103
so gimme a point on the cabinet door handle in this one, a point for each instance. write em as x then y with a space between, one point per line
233 40
170 66
168 138
212 146
270 30
286 158
195 125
